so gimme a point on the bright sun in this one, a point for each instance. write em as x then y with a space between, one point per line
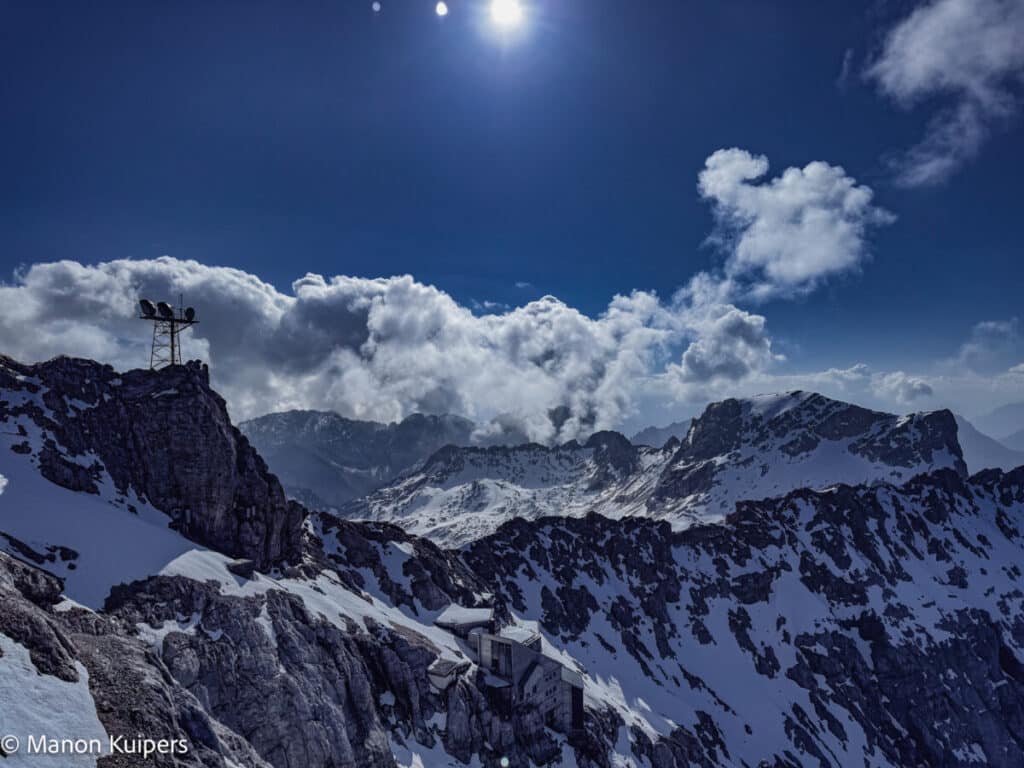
506 13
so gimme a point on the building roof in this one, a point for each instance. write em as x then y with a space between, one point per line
456 615
522 635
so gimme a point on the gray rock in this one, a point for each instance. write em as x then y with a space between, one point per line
167 436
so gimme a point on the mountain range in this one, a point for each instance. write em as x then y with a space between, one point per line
1015 441
326 460
1005 423
763 446
801 582
379 471
983 452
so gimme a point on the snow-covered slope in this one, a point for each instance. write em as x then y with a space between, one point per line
738 449
92 540
461 494
45 704
878 625
133 586
110 478
325 460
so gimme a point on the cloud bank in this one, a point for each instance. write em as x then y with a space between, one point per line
383 348
967 55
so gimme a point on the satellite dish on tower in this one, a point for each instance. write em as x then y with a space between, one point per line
147 307
190 314
165 310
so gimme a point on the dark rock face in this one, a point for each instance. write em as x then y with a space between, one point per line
165 435
300 688
717 431
25 594
436 577
799 421
616 458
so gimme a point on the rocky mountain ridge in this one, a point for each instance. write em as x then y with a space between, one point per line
737 449
877 624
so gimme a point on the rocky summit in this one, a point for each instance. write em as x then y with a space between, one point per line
154 580
163 439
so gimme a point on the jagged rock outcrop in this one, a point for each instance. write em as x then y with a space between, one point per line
433 577
166 436
130 686
658 436
299 687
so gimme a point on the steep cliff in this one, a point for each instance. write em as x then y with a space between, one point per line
164 437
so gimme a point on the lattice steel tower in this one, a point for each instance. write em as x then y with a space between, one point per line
167 327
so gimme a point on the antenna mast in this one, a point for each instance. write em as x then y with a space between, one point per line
167 325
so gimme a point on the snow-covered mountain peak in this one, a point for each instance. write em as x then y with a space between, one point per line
798 422
95 459
766 446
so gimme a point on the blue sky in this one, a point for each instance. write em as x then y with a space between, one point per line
562 159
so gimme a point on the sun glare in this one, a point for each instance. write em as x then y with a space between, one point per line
506 14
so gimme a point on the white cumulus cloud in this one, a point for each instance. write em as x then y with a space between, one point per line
383 348
901 387
969 54
786 235
372 348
